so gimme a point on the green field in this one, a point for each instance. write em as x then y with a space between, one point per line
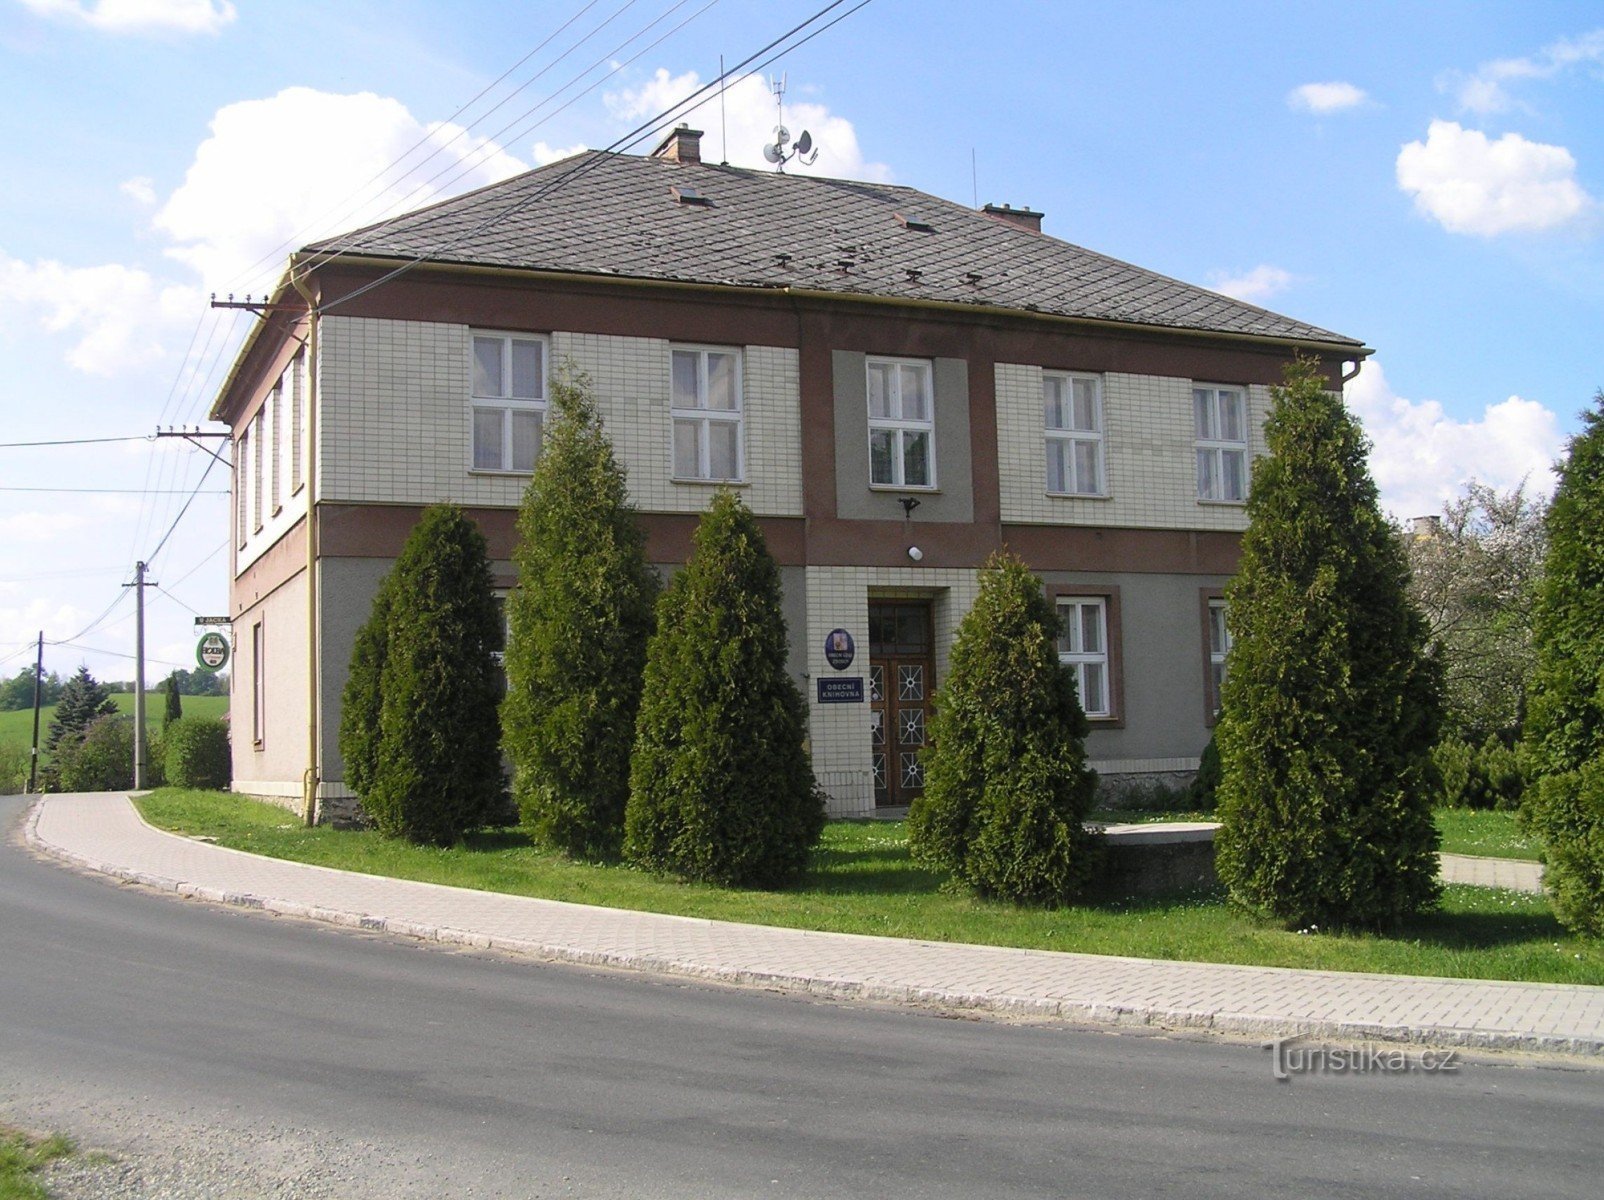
16 727
863 881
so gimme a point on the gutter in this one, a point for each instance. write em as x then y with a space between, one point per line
309 779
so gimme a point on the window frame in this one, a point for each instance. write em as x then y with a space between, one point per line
1209 600
705 416
1208 442
275 425
258 440
507 404
258 684
242 483
1062 434
1113 633
298 382
900 425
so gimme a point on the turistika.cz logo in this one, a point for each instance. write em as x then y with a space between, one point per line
1290 1056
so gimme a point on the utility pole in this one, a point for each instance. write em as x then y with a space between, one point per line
139 585
38 685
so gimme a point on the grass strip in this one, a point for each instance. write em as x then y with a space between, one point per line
863 881
21 1157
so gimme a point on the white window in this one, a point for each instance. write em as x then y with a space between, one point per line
257 438
275 424
902 427
258 686
1220 415
509 401
1219 650
242 483
1072 407
1083 645
297 409
707 413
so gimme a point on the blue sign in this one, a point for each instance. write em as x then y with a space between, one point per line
841 691
839 650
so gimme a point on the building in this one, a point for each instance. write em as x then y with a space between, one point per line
895 384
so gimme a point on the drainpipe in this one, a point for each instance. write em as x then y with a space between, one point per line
1349 376
309 780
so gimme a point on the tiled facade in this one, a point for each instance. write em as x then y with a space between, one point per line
1149 455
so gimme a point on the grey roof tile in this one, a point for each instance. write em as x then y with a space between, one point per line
614 214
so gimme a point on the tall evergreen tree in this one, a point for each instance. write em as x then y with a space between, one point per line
437 772
363 698
578 627
1007 788
721 788
1331 703
1565 721
174 707
83 698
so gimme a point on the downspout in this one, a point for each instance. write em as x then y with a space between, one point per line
309 779
1349 376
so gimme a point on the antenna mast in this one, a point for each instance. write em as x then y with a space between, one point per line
780 151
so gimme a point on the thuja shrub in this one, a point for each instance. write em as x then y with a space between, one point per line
578 625
363 697
1203 793
1007 788
100 759
1564 732
1331 704
195 753
721 788
436 773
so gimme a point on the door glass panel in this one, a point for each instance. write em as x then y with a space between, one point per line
910 683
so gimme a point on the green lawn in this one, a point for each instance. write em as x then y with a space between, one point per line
1486 833
21 1156
863 881
16 727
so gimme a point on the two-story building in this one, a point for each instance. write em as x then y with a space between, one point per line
895 384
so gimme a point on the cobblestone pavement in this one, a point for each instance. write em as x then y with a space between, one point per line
103 832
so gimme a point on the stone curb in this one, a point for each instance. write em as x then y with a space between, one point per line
1085 1012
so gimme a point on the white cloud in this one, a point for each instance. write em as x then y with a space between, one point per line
118 316
1422 457
141 16
750 116
1486 90
543 153
1471 184
1256 286
140 190
40 526
1326 97
241 209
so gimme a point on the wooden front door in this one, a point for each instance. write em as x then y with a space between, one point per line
901 680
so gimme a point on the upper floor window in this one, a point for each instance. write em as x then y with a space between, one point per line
1219 651
1220 414
707 413
242 483
509 401
1072 408
1083 645
258 438
902 427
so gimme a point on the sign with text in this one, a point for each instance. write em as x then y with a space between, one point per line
841 691
212 651
839 650
214 620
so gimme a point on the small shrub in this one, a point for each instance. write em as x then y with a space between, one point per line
196 753
1200 796
14 762
1567 810
1500 768
1453 768
100 760
1485 777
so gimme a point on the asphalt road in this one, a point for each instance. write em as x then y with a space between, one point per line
297 1059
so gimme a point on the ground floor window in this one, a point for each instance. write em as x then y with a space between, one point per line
1083 645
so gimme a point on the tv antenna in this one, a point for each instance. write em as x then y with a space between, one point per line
780 151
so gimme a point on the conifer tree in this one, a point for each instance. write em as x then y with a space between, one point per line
1331 704
83 699
721 788
578 625
174 707
1007 788
363 698
1564 736
437 772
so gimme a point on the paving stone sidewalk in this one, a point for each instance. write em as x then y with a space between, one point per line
104 833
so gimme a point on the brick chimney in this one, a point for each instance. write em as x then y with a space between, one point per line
1022 217
682 145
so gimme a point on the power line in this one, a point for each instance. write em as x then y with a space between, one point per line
93 491
637 134
146 437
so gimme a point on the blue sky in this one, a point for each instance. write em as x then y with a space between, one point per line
1426 177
